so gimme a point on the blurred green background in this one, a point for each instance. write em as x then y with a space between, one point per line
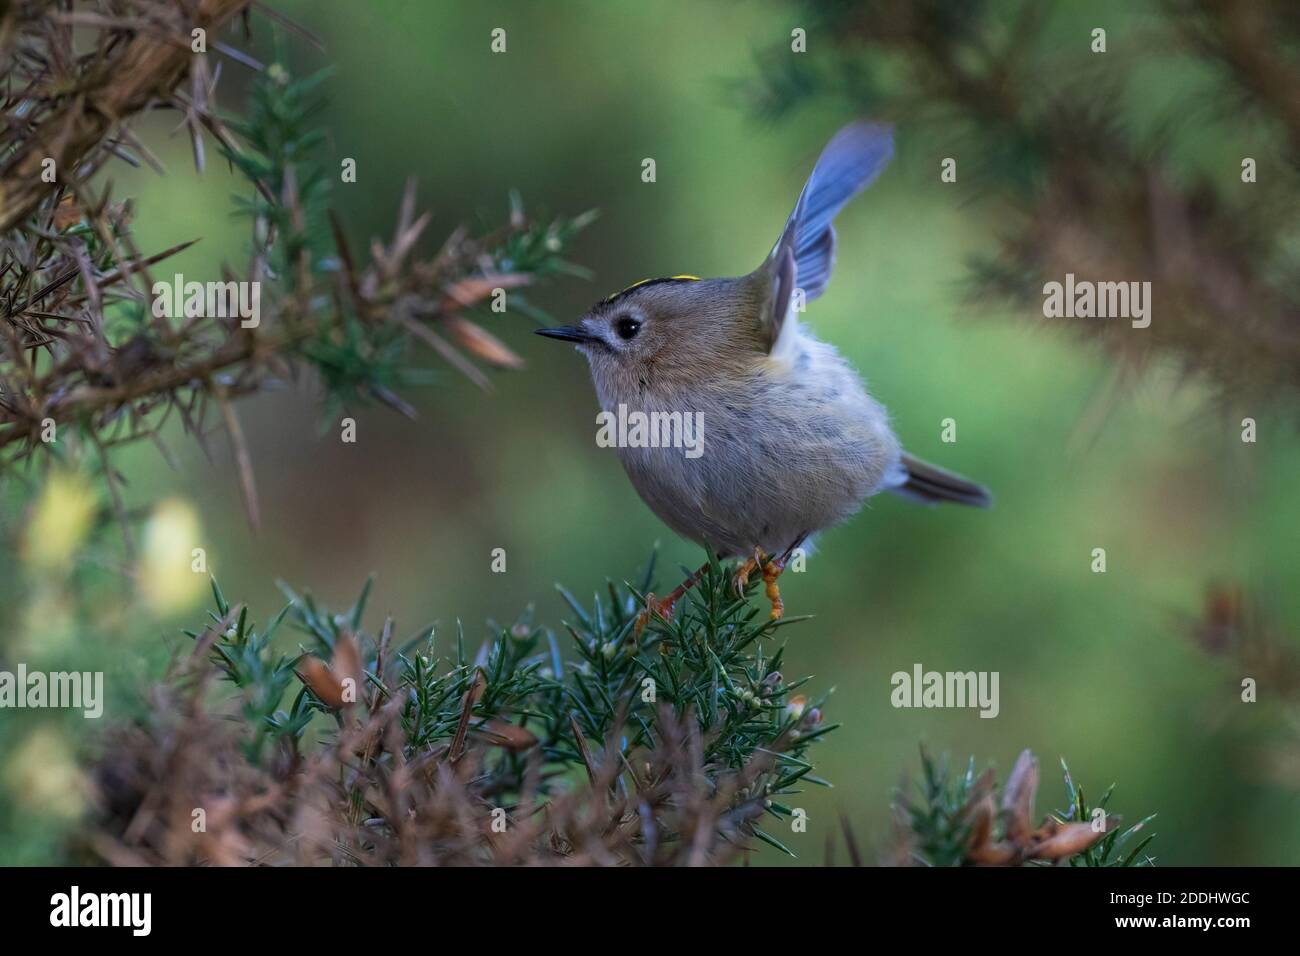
1097 668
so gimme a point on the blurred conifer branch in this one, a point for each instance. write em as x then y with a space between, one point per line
81 344
1246 633
1048 144
364 749
1238 625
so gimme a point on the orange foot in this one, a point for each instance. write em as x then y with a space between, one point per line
771 571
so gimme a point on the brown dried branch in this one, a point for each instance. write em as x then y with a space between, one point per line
84 99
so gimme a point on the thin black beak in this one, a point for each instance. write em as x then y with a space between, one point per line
568 333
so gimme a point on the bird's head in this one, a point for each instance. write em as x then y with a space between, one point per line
670 332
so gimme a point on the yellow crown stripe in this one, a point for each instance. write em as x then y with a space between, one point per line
679 278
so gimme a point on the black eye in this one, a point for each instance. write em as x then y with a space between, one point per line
627 327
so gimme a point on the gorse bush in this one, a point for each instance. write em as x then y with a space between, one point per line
666 745
95 357
680 744
92 349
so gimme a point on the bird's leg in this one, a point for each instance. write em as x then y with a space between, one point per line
745 570
771 571
663 607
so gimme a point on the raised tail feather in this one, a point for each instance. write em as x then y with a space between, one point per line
922 482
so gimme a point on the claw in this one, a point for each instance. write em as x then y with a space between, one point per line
664 607
771 569
653 606
742 575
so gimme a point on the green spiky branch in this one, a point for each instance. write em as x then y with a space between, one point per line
953 819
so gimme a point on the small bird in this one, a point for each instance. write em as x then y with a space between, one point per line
791 441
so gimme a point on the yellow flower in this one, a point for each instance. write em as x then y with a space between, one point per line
60 521
167 580
49 623
43 776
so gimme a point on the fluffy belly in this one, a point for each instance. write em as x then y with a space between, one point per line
764 485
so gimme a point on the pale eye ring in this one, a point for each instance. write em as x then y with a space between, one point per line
627 327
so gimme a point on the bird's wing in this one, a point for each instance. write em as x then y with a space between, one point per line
803 256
